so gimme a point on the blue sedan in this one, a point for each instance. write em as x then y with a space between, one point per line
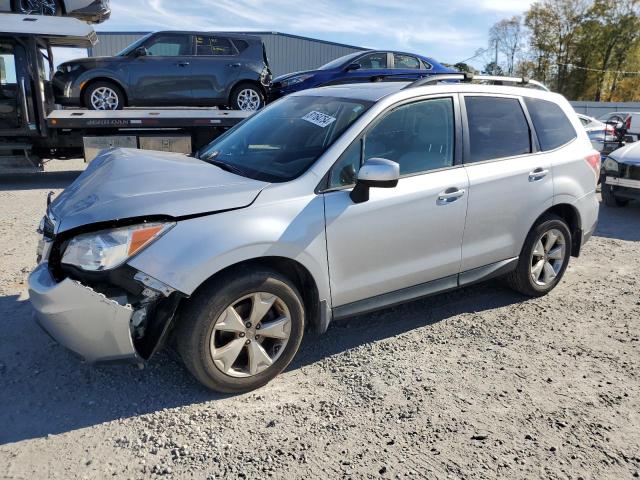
364 66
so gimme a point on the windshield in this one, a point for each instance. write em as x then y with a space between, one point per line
282 141
339 61
133 46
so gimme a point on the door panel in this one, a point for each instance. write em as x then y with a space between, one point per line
402 236
505 195
214 69
163 76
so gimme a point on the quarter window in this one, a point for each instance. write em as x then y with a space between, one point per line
498 128
213 46
551 124
419 136
168 46
373 61
405 61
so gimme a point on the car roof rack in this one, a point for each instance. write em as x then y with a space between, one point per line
467 77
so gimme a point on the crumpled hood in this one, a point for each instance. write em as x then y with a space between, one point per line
124 183
629 154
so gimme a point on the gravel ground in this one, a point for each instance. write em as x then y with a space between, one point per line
478 383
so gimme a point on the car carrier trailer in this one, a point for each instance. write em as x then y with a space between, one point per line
33 128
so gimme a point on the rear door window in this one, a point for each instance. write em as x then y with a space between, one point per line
498 128
405 61
551 124
208 46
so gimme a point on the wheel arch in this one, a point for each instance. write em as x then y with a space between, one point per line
102 78
295 271
254 83
569 214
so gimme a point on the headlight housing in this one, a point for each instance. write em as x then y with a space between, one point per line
107 249
610 165
297 79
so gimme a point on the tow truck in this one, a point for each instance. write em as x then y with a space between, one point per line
33 128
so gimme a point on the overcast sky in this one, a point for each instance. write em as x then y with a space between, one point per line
448 31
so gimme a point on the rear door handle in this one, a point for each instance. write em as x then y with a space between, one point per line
538 174
450 195
183 64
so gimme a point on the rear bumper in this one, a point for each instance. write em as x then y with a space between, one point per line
80 319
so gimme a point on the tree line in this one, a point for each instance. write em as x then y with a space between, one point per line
584 49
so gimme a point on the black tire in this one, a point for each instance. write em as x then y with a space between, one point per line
88 92
235 98
609 198
197 320
521 278
18 6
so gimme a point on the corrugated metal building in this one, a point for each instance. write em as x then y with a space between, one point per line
286 53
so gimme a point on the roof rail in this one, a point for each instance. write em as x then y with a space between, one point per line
470 77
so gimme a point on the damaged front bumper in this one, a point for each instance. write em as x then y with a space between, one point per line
81 319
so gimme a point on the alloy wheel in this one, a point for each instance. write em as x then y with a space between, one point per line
248 100
38 7
104 98
250 335
548 257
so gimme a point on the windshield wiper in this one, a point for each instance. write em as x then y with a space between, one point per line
226 167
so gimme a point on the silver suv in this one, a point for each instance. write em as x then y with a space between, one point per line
329 203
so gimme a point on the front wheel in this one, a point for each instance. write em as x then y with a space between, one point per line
103 96
544 257
247 97
241 330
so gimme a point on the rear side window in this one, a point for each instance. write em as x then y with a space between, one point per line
405 61
241 45
552 125
498 128
213 46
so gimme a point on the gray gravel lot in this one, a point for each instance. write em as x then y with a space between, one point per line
477 383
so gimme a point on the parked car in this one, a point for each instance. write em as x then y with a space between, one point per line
170 69
602 135
364 66
630 119
621 176
92 11
326 204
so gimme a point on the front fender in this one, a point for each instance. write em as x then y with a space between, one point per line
119 78
197 248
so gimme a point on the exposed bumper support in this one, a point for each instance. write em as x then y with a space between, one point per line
81 319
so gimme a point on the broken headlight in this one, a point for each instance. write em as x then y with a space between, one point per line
106 249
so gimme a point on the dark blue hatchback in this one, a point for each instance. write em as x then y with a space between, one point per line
365 66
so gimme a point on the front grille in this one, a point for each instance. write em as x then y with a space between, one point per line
633 172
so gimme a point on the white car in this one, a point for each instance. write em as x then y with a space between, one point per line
92 11
602 136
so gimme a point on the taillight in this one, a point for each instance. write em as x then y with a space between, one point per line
593 160
628 123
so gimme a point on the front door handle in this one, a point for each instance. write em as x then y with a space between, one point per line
450 195
538 174
183 64
234 65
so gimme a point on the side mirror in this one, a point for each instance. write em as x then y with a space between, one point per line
375 172
141 52
353 66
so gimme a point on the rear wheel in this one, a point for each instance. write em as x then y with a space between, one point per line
103 96
609 198
37 7
544 257
247 97
241 330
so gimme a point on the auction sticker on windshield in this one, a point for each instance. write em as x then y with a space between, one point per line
319 118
